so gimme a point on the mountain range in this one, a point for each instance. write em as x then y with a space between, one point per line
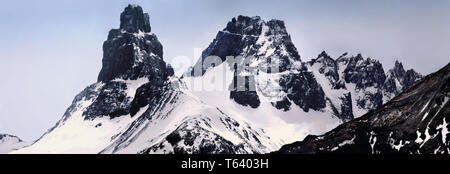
249 92
414 122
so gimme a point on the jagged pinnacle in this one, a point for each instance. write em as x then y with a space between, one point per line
133 19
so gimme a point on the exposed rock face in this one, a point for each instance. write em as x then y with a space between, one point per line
245 98
303 90
398 79
415 121
245 36
329 68
133 20
363 72
132 51
267 49
354 85
185 140
346 107
111 100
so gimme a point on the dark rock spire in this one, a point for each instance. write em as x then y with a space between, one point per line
133 20
132 51
398 69
323 54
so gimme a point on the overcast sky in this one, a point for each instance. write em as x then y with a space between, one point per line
51 50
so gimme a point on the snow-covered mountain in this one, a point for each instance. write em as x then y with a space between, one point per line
414 122
293 98
139 106
10 143
354 85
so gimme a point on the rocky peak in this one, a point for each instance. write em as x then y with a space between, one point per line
276 27
398 64
245 25
410 77
413 122
324 55
267 44
364 72
398 70
251 37
359 57
327 66
254 26
133 74
398 79
343 55
344 58
132 51
324 59
133 20
372 86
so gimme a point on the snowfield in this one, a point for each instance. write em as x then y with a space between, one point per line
286 126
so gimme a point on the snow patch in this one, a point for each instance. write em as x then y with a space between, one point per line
346 142
444 131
